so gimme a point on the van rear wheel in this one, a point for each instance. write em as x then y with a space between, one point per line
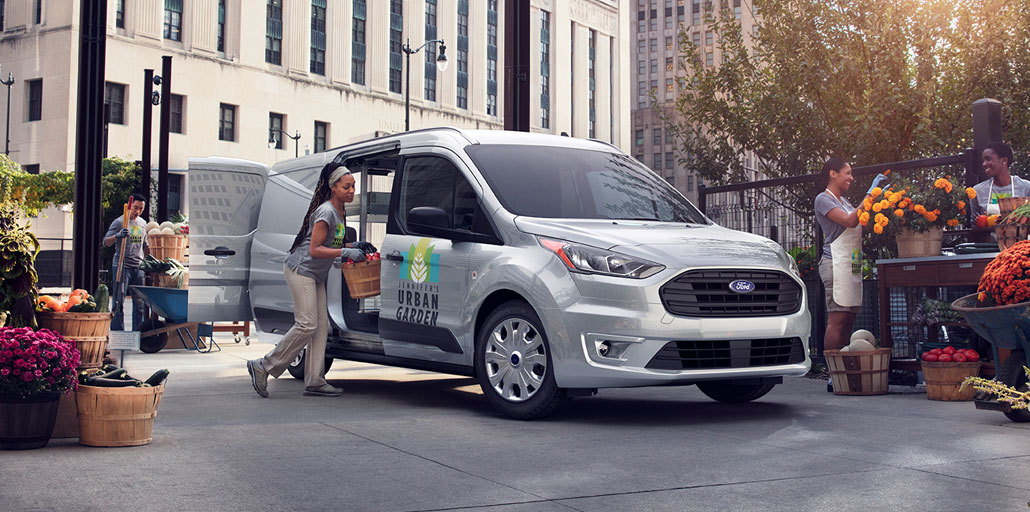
296 367
732 393
513 364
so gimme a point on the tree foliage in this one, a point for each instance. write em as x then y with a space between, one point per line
873 81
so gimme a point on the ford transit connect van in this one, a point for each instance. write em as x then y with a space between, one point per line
544 266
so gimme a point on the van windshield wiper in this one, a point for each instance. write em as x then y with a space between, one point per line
641 219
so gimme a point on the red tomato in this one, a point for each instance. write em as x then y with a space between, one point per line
936 352
929 356
972 356
959 357
981 222
949 350
944 358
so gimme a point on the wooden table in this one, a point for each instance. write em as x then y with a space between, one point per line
931 273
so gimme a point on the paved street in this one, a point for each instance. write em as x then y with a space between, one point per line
405 440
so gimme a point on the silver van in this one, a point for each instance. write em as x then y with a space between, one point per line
544 266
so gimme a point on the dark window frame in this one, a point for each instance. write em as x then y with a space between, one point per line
226 128
35 103
319 14
321 137
396 42
545 69
222 12
173 20
114 97
359 15
463 54
176 105
276 127
429 86
274 32
119 14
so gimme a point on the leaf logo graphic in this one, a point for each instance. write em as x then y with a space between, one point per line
419 271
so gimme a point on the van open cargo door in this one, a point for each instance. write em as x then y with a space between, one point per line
225 200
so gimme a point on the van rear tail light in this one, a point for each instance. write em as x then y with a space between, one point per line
593 260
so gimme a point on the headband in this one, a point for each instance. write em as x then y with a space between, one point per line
338 173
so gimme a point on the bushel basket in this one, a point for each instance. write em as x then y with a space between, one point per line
88 331
943 380
117 416
168 246
861 372
362 278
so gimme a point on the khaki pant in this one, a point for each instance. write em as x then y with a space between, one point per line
310 329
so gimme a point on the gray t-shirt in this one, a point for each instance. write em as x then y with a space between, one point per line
984 189
824 202
134 244
300 259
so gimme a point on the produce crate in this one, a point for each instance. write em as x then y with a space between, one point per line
168 246
860 373
1009 234
87 330
362 278
117 416
943 380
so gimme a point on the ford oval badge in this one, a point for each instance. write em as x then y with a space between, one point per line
742 286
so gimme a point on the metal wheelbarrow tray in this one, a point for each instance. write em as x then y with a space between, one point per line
1005 327
172 304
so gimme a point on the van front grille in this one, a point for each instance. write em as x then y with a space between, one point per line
709 354
707 294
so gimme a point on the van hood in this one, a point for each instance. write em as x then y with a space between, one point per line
667 243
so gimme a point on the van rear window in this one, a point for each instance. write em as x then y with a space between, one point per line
570 183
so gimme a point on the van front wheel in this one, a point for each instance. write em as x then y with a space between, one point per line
513 364
733 393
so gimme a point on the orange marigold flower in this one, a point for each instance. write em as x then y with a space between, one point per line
899 213
920 209
876 191
952 222
878 229
877 207
970 193
887 172
867 204
863 217
939 183
948 187
930 216
864 222
880 218
961 205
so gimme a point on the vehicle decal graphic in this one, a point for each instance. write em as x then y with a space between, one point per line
418 301
424 266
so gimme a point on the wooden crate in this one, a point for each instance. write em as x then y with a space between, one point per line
862 372
943 380
117 416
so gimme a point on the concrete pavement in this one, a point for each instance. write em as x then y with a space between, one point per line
406 440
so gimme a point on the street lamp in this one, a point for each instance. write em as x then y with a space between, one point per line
7 134
441 61
272 142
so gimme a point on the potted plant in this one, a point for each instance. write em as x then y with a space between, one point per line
1000 312
916 211
36 368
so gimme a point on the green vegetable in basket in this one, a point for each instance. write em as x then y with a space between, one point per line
157 378
102 298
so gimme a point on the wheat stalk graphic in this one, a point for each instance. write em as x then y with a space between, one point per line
419 271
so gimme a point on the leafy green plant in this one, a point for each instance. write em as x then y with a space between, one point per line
18 250
807 259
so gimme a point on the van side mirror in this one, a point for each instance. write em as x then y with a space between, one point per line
430 220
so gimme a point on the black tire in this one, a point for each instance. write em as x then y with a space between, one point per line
543 401
296 367
729 393
1012 373
152 344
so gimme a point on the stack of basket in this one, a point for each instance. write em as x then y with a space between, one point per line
168 246
859 372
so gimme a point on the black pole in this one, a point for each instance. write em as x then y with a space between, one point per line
407 85
162 155
107 123
516 63
89 128
7 134
148 125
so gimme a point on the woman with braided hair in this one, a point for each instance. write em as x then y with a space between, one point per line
321 239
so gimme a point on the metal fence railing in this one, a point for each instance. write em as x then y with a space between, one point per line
54 262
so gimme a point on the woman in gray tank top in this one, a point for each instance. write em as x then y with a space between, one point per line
321 240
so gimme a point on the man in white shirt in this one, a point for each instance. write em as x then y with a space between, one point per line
997 158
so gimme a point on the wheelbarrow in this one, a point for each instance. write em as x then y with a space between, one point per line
170 304
1006 328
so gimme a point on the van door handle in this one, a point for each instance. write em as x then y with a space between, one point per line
395 256
220 252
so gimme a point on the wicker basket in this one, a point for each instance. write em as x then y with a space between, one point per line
1007 204
362 278
918 245
88 330
167 281
117 416
943 380
862 372
168 246
1009 234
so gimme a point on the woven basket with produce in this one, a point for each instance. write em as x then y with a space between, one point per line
1014 227
168 272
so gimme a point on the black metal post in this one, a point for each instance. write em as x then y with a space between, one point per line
516 61
407 84
89 144
986 128
148 125
162 155
702 198
7 134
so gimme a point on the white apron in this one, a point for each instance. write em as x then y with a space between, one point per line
846 254
993 208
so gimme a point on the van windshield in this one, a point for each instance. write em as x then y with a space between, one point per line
569 183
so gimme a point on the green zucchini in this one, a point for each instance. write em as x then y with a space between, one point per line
120 373
102 298
111 383
158 377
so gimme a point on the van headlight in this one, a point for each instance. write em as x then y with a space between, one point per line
794 266
592 260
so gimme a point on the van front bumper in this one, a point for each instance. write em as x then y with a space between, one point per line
636 332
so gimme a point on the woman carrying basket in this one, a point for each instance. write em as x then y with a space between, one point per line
319 242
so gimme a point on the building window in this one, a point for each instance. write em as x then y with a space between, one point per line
669 85
227 122
654 65
275 130
668 63
39 12
173 20
736 9
695 10
317 37
709 59
321 136
221 26
591 86
430 34
642 46
697 39
641 66
656 137
175 104
681 14
545 69
668 43
657 162
114 98
463 54
491 57
669 163
708 38
690 183
119 14
31 168
638 136
396 55
668 136
654 45
357 47
274 32
35 100
3 7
